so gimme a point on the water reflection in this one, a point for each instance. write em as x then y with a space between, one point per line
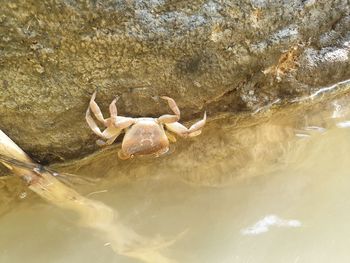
264 225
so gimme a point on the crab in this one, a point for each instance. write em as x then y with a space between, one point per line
143 136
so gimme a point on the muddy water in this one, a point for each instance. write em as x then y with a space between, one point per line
273 187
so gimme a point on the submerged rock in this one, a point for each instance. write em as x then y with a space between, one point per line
221 56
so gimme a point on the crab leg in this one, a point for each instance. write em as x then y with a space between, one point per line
107 134
113 109
108 142
167 118
96 109
111 133
123 122
181 130
92 124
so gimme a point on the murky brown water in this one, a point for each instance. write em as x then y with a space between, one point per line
272 188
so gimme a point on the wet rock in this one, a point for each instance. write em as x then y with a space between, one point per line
222 56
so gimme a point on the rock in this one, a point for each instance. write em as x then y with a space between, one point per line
219 56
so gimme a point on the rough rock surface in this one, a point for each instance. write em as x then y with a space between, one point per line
222 56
